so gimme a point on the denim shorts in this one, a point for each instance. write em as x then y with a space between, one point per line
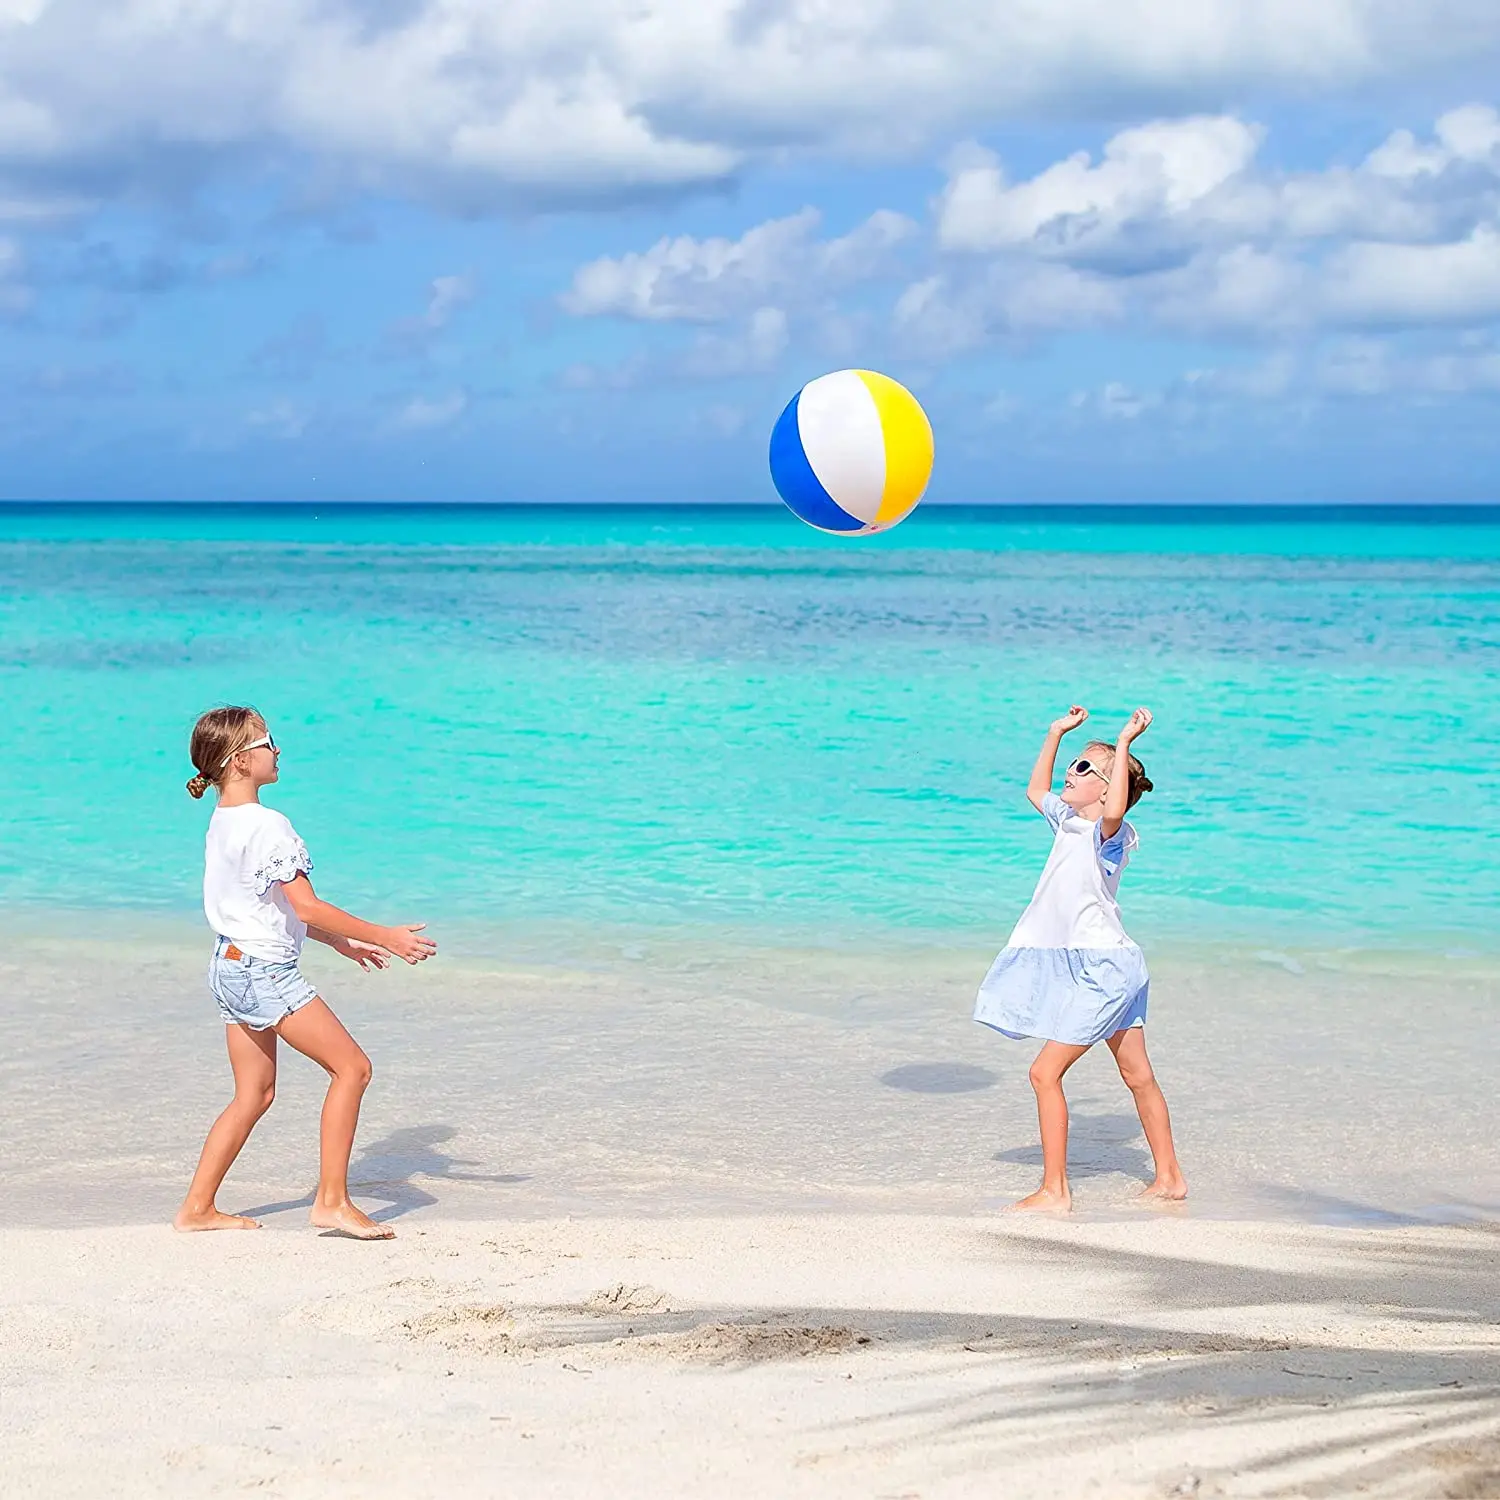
252 992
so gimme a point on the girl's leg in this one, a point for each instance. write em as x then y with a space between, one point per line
252 1056
1052 1113
1129 1048
319 1034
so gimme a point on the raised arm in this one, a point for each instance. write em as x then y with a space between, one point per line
1046 762
404 941
1117 794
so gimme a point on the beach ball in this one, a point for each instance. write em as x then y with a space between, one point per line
852 452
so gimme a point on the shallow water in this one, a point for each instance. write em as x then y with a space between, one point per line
617 1075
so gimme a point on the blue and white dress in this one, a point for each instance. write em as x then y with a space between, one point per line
1070 973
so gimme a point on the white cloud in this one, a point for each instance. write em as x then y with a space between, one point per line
1244 290
1172 188
1372 367
1117 402
1469 134
1359 368
1266 380
481 104
762 342
948 313
1152 172
1177 225
438 411
691 279
281 419
445 296
749 348
705 281
1415 284
41 208
449 293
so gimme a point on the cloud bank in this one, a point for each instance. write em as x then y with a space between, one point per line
1176 226
478 105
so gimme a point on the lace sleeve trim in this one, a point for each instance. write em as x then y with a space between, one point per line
283 864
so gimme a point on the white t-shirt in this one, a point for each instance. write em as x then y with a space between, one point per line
249 851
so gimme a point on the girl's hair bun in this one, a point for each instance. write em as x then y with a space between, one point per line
1138 782
218 735
1146 784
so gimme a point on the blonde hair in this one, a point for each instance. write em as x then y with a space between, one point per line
1140 783
218 735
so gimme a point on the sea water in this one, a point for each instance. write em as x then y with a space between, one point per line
666 718
709 758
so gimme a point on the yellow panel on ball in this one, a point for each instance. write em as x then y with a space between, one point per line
908 447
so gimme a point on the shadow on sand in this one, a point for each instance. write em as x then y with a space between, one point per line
1403 1407
1098 1146
939 1078
385 1169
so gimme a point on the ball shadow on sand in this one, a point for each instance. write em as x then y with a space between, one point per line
939 1078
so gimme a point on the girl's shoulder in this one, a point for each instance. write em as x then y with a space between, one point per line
1055 811
255 820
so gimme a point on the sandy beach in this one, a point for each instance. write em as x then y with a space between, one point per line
827 1355
645 1256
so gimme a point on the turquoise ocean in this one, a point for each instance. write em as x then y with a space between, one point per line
717 721
719 821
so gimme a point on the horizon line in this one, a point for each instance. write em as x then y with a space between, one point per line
1104 507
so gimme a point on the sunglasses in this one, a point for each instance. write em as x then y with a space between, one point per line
1083 766
266 742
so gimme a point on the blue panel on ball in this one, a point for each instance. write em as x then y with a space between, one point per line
797 484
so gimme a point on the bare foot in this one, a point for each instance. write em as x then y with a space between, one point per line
1168 1188
1044 1201
190 1222
347 1219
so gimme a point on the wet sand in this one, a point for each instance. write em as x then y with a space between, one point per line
656 1074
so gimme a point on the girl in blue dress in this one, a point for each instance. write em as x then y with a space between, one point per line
1070 975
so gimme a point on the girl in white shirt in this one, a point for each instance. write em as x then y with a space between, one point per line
258 899
1070 975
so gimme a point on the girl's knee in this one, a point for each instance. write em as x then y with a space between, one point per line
1043 1077
256 1101
1137 1074
357 1071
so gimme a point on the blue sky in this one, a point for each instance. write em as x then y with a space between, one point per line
449 250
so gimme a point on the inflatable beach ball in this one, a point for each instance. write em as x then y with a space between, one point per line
852 452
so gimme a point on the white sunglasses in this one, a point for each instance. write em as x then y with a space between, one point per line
266 742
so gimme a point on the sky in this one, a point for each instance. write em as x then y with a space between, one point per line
547 250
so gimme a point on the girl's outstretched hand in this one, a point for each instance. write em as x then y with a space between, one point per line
366 955
1070 720
406 942
1137 724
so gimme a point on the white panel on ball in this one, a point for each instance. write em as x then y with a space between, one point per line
839 424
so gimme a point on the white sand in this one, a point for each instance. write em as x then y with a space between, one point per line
819 1355
785 1275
